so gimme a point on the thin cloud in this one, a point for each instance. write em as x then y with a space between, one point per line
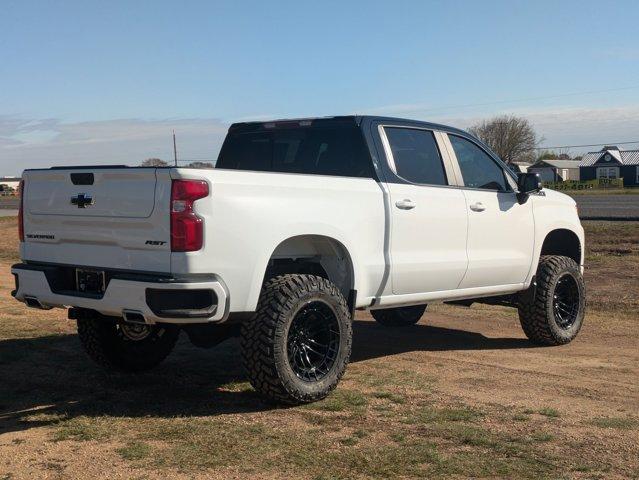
30 143
556 126
619 53
571 125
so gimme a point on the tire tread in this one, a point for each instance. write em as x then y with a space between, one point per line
258 336
98 337
533 315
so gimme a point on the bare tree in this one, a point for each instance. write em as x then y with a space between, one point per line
154 162
562 154
547 155
512 138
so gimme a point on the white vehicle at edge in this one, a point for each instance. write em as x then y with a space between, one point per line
300 223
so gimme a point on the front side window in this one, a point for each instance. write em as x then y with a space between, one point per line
478 169
416 155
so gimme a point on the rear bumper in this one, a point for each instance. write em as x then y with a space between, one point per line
158 299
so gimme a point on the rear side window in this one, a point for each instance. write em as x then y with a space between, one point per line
477 168
416 155
319 150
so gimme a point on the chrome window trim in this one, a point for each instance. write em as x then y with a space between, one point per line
453 159
447 163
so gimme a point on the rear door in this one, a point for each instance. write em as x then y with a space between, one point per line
103 217
500 229
428 216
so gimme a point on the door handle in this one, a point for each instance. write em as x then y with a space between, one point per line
405 204
477 207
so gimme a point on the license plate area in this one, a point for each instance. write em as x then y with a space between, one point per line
90 281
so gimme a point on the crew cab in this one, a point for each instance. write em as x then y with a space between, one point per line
300 223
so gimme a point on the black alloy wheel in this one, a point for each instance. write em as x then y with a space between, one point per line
313 341
552 311
566 301
296 347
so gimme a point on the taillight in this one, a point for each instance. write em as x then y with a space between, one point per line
21 213
187 229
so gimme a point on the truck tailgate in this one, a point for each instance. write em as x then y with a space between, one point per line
104 217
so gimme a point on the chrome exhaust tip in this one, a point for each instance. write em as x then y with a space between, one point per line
33 302
133 316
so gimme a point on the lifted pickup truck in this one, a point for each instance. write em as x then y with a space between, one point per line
301 223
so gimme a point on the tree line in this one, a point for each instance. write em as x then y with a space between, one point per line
158 162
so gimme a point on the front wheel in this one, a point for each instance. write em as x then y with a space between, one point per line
399 316
297 345
126 347
555 315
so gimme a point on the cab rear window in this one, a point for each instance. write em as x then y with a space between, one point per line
318 150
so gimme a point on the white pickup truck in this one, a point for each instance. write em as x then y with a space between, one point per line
300 223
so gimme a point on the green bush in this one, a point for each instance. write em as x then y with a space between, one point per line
600 183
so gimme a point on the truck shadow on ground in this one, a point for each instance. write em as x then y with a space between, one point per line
52 376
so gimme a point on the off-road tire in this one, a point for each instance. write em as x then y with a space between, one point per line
264 338
399 316
537 314
104 341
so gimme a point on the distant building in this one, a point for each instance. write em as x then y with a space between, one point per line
610 162
519 167
556 170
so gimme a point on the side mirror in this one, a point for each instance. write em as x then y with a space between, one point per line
527 183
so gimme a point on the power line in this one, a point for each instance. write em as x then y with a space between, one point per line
589 145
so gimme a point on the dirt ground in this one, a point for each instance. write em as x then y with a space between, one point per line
461 394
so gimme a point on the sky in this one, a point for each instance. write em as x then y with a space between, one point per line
94 82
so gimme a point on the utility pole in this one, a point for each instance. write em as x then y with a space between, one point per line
174 149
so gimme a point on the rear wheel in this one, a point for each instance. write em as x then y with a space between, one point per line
126 347
399 316
555 315
296 347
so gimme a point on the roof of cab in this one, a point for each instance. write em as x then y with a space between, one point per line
357 119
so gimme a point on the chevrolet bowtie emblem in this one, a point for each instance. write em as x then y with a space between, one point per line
82 200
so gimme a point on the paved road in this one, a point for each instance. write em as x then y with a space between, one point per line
11 203
608 206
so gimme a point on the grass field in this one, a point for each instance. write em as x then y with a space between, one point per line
461 394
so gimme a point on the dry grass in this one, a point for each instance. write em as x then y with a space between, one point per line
612 265
460 395
8 247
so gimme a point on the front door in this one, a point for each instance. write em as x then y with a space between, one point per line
607 172
500 230
428 217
